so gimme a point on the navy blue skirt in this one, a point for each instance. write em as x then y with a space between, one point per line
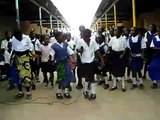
136 64
154 69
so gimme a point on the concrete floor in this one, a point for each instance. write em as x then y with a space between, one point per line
132 105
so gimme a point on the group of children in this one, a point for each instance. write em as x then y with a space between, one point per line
97 57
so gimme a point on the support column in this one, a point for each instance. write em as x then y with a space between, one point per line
40 19
115 16
17 13
51 23
106 19
134 12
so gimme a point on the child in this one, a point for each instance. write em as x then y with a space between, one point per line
47 63
7 56
136 44
88 48
2 63
62 53
104 52
154 67
117 46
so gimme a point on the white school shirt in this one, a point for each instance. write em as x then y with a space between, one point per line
71 44
105 47
7 57
135 39
118 44
23 45
46 52
69 50
88 54
4 44
152 44
37 44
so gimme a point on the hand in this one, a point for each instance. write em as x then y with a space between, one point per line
121 56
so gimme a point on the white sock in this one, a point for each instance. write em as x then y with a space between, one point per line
114 81
119 78
106 80
93 88
66 90
134 81
20 92
140 81
155 81
123 82
59 91
85 86
28 93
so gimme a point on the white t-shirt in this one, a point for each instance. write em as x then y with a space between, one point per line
23 45
135 39
157 38
7 57
36 45
4 44
46 51
118 44
88 54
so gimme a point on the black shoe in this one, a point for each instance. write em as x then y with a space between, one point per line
141 86
92 97
86 95
70 89
59 96
113 88
144 77
79 87
67 95
19 95
29 96
134 86
101 82
106 86
52 84
10 88
123 89
33 87
154 86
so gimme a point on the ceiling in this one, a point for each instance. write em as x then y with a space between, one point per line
124 9
29 10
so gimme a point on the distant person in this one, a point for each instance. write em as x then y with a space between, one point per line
4 43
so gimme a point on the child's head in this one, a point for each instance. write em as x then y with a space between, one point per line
100 38
158 31
86 34
68 35
117 31
45 39
153 28
17 34
32 35
7 35
134 31
60 37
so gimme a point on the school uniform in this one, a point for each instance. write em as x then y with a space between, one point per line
4 44
47 65
2 63
148 52
34 62
136 45
118 46
154 67
21 53
88 67
61 53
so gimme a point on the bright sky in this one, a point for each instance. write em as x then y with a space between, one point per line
77 12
